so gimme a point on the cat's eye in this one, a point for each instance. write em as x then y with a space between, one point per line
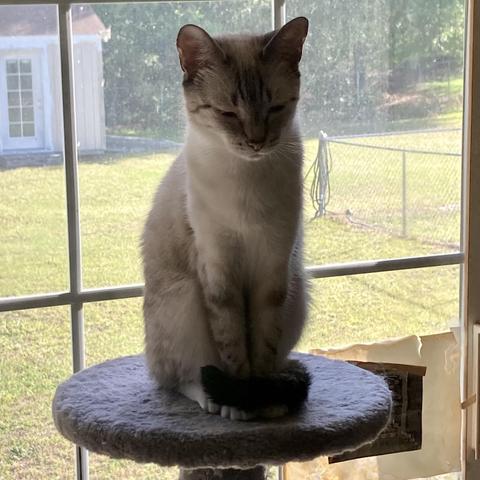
227 114
276 108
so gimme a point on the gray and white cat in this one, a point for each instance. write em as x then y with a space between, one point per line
222 246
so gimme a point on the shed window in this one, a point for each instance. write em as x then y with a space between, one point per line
20 98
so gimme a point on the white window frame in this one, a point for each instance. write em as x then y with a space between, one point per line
470 286
468 257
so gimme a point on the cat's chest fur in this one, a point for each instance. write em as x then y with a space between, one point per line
247 198
247 210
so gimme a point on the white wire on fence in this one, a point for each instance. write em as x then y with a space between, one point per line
411 192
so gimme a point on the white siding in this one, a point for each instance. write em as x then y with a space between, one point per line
88 89
55 87
89 96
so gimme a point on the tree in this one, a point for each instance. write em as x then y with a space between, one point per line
141 69
357 52
422 34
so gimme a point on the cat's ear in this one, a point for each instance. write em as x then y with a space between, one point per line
287 43
196 49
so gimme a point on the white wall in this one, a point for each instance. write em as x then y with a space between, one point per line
89 95
88 88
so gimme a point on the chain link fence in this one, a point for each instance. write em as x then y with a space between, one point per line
406 184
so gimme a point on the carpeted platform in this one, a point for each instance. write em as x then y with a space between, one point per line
115 409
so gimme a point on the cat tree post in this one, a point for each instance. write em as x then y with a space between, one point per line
115 409
257 473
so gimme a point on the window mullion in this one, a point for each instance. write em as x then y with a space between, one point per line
73 214
279 19
278 13
471 242
384 265
71 168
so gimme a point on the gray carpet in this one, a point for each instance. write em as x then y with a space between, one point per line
115 409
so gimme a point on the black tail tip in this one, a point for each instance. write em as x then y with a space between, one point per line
289 387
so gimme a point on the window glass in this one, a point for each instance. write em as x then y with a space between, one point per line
377 306
33 227
381 112
130 118
36 357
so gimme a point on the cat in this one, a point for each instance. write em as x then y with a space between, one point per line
222 249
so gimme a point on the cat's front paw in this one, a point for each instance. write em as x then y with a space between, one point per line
273 411
212 407
233 413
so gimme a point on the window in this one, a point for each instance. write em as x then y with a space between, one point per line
20 98
92 93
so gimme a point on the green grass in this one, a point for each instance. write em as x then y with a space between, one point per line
115 196
368 183
452 87
450 119
429 103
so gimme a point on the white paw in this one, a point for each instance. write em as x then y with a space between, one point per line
195 392
212 407
233 413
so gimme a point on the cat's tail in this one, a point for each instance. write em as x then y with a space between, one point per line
287 387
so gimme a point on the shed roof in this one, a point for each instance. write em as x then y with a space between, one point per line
18 20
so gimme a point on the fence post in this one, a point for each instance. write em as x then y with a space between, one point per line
404 194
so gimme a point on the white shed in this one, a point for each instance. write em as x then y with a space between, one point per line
30 82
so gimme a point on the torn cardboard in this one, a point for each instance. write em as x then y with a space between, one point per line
404 431
440 452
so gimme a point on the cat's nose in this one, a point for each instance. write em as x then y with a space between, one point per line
256 145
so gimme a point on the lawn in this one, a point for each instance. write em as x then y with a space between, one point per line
115 195
419 176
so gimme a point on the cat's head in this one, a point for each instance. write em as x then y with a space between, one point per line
242 91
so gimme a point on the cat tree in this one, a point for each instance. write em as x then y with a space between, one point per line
115 409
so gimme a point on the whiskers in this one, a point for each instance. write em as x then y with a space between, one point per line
288 149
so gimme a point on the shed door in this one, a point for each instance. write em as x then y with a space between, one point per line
21 124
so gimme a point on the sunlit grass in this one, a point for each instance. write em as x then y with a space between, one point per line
452 86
